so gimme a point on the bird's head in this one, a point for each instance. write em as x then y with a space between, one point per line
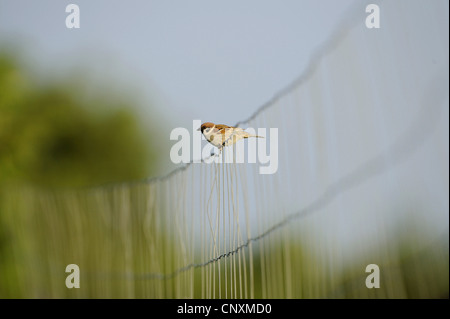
207 125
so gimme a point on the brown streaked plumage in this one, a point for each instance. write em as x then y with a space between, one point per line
221 135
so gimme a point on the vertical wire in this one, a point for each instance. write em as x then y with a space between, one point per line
218 229
224 260
243 182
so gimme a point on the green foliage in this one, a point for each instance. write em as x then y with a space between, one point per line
52 136
55 135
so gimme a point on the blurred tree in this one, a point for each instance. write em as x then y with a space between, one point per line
55 134
51 136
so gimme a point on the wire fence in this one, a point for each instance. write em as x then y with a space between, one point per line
362 178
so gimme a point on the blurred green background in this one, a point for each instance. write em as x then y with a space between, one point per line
57 143
54 135
62 136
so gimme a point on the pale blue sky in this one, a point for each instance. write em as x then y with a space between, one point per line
216 61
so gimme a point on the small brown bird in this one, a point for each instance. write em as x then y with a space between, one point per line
221 135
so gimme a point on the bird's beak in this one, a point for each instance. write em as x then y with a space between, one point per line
199 129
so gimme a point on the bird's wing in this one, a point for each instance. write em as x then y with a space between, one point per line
222 129
222 126
229 134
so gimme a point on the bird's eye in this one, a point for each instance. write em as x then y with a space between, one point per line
207 129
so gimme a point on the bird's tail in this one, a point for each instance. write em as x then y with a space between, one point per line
249 135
